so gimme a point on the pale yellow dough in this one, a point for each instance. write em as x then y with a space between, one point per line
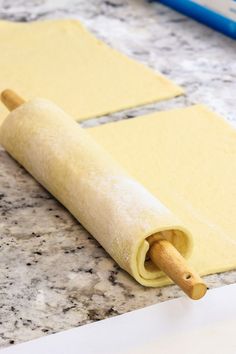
187 159
118 211
60 60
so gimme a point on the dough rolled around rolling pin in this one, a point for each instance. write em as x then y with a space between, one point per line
118 211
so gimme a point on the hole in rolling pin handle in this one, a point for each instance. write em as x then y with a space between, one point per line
187 276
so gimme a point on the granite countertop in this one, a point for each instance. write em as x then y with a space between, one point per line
54 275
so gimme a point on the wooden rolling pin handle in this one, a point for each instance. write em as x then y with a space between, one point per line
11 99
164 255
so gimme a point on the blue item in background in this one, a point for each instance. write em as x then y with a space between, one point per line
217 20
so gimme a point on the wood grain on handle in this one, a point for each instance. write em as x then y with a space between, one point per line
165 256
162 253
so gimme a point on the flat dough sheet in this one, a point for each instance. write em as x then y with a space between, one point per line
60 60
187 159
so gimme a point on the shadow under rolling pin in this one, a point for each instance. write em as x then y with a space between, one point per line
162 253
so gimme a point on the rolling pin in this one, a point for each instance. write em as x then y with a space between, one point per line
134 227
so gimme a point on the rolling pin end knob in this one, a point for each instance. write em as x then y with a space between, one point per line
167 258
10 99
198 291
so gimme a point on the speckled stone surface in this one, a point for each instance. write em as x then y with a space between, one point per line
53 274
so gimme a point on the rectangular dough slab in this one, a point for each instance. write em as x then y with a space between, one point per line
60 60
187 159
